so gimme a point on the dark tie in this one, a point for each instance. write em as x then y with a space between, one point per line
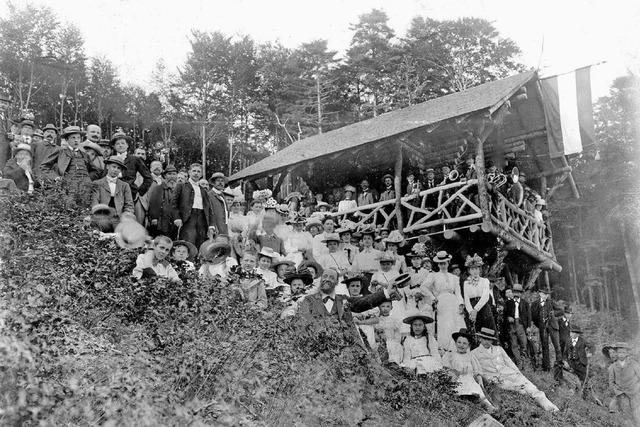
327 298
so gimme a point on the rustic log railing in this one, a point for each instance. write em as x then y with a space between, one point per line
454 205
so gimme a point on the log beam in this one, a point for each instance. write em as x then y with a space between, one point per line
397 183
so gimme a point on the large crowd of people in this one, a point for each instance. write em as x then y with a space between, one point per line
404 305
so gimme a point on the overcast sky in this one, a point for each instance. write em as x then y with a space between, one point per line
134 34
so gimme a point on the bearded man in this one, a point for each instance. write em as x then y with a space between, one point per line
161 211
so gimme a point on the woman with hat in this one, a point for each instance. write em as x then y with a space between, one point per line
392 244
345 232
449 303
419 295
387 277
319 246
420 349
111 190
216 259
19 169
316 271
365 261
477 291
265 261
334 257
466 369
298 243
281 266
183 255
365 320
348 202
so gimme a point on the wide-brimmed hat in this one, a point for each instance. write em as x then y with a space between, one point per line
93 146
277 263
545 291
217 175
102 209
414 315
70 130
575 329
309 263
268 252
120 135
402 280
130 233
473 261
193 251
50 126
394 237
302 273
620 344
367 229
442 256
313 222
321 203
215 250
25 122
331 237
517 287
387 175
350 188
115 161
340 231
22 147
461 333
386 257
487 333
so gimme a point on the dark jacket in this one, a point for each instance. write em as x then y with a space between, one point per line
42 150
182 203
544 316
577 354
523 308
17 174
101 193
56 164
312 307
563 328
136 164
220 212
161 207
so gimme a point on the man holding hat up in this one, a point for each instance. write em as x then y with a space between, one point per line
161 212
111 190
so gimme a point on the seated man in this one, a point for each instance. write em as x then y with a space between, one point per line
20 170
153 263
111 190
496 366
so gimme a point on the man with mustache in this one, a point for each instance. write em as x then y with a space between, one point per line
161 211
42 150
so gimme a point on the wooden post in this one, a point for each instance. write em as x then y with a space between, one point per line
483 194
397 184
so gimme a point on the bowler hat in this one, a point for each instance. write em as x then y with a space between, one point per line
50 126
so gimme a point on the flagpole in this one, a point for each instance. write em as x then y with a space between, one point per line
204 152
570 71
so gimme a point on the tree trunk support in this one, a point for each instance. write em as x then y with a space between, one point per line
397 184
533 276
632 263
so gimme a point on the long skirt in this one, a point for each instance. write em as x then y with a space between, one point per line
484 318
449 320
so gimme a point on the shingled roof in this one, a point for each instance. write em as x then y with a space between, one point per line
486 96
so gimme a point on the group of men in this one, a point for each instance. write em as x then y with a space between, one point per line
113 176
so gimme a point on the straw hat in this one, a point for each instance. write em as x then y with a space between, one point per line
215 250
385 176
268 252
442 256
367 229
70 130
350 188
191 248
487 333
217 175
402 280
313 222
280 262
331 237
417 315
394 237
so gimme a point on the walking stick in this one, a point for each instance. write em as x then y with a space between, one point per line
586 377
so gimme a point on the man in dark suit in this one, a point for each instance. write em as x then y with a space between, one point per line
19 169
576 353
432 199
112 191
218 203
161 211
564 328
133 165
518 322
543 314
326 306
194 215
367 195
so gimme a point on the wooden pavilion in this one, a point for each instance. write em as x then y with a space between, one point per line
502 120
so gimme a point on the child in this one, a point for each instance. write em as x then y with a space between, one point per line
367 319
216 261
252 288
269 238
153 263
265 258
299 283
420 349
624 380
281 266
183 253
391 328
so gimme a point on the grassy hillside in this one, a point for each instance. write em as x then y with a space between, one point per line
83 344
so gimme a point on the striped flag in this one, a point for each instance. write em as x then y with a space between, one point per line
569 112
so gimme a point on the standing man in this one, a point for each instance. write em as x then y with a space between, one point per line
43 149
133 166
543 314
218 203
70 165
388 193
564 328
156 172
161 210
194 215
94 153
94 134
518 318
367 196
577 354
432 199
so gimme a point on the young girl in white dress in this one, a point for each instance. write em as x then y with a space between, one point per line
420 349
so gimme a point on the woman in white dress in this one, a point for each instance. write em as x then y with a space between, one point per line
298 242
420 349
449 304
466 369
